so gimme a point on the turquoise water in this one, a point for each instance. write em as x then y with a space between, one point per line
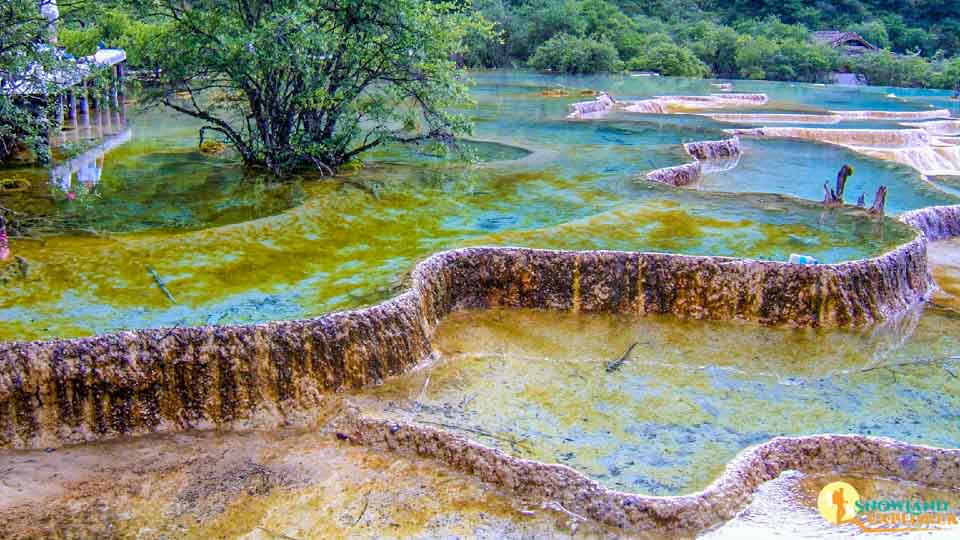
234 247
690 396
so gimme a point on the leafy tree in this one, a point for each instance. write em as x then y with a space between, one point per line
568 54
295 83
670 59
545 19
875 32
884 67
950 76
714 45
603 21
27 62
492 49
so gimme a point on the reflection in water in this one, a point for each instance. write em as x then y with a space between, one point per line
88 166
217 234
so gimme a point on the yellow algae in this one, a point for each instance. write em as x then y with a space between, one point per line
690 396
944 258
285 484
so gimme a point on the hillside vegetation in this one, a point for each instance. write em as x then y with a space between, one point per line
752 39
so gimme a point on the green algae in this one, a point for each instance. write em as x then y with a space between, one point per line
233 247
691 395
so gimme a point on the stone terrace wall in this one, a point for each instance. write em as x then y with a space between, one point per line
686 514
65 391
935 222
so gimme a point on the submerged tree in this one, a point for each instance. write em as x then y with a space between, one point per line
295 83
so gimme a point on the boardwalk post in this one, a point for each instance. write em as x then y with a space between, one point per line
71 105
84 100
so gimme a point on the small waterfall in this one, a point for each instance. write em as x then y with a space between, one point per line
937 127
931 161
761 118
647 106
711 166
681 175
751 99
602 104
704 150
892 115
845 137
667 104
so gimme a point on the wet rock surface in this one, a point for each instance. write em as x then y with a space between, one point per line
261 375
267 375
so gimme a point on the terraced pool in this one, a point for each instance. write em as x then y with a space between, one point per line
222 241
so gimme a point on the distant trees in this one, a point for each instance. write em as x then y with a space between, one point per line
569 54
883 67
670 59
767 39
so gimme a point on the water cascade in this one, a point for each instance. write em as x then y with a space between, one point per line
913 147
774 118
937 127
892 115
671 104
723 149
680 175
603 103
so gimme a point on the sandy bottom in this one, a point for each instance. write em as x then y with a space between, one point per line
300 485
254 486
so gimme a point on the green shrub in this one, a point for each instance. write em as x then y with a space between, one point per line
568 54
886 68
669 59
786 60
950 76
79 41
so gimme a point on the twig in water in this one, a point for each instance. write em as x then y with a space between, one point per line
615 365
366 503
475 431
276 534
915 362
575 519
159 282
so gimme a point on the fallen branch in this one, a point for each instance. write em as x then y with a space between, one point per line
879 201
160 284
575 519
276 534
914 362
475 431
366 503
615 365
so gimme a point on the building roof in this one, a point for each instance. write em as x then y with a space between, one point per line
847 40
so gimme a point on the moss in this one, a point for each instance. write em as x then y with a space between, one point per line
213 148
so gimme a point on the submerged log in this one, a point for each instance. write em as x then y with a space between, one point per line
879 201
615 365
834 197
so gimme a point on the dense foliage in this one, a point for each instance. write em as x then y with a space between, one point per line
289 83
308 83
24 57
760 39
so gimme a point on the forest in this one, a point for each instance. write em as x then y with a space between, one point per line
918 40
